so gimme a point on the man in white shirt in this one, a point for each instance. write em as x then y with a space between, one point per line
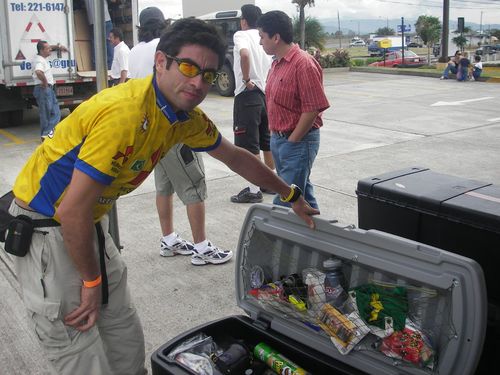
119 68
141 59
251 65
181 170
46 100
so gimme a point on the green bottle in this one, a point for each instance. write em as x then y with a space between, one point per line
280 364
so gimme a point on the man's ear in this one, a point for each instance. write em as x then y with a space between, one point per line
160 60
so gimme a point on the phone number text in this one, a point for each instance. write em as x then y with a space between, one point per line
37 7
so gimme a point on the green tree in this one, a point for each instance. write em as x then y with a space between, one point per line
461 40
428 28
301 4
315 35
383 31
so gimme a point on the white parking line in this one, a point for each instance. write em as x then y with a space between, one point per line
494 119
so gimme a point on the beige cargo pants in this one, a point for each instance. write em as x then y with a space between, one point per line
51 289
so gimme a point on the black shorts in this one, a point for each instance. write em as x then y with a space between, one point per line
251 130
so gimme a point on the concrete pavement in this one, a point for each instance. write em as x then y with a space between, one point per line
376 123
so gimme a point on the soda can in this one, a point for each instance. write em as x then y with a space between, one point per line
280 364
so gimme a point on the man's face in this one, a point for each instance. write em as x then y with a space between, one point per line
114 40
45 52
184 93
268 43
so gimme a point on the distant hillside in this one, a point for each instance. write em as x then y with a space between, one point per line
368 26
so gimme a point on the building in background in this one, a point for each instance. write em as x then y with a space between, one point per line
195 8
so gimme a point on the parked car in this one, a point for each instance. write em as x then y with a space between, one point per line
415 45
394 59
488 49
357 43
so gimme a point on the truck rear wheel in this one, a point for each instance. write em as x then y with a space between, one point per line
225 82
11 118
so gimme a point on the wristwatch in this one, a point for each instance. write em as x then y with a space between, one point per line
245 81
295 193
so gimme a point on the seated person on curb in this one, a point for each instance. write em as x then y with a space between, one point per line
477 68
463 67
73 278
452 65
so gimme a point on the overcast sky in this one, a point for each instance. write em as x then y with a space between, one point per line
366 9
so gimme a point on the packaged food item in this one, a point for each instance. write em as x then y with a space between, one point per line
410 345
280 364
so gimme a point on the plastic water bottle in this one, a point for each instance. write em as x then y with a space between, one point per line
335 283
315 281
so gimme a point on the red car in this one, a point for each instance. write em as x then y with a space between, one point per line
394 59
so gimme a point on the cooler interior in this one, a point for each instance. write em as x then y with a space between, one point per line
413 294
242 328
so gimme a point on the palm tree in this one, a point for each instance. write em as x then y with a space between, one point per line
315 34
302 4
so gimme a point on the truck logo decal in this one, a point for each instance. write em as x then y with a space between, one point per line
33 33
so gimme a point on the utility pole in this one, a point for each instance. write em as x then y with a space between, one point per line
445 32
339 32
481 24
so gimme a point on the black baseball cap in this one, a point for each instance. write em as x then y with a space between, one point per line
151 15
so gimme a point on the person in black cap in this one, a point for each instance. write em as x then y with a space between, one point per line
152 23
181 170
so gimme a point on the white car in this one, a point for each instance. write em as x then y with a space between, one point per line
357 43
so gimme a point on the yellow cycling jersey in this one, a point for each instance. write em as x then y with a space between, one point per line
116 137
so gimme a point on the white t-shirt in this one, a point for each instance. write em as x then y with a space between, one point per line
142 58
40 63
120 60
478 65
260 62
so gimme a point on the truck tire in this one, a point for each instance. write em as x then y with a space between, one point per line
225 82
11 118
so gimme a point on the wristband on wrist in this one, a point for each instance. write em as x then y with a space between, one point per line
245 81
295 193
93 283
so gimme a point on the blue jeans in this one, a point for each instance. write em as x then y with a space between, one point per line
48 108
294 161
449 68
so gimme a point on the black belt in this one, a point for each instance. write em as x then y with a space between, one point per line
288 133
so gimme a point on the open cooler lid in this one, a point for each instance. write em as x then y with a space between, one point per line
464 200
275 239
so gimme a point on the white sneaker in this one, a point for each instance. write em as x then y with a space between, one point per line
179 246
212 255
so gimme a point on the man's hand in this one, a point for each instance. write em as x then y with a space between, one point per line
304 211
85 316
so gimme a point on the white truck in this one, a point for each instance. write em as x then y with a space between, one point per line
24 23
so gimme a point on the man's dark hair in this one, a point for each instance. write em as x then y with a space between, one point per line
477 58
276 22
251 14
152 30
117 33
40 45
189 31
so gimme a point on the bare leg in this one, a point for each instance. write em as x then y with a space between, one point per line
165 208
196 216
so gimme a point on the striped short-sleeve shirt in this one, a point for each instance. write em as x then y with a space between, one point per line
294 86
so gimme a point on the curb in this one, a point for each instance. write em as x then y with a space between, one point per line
413 73
336 70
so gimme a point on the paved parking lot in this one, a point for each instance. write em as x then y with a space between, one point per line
376 123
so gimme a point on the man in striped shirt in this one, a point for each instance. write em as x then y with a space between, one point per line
295 99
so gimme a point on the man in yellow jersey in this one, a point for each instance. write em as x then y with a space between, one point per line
73 278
